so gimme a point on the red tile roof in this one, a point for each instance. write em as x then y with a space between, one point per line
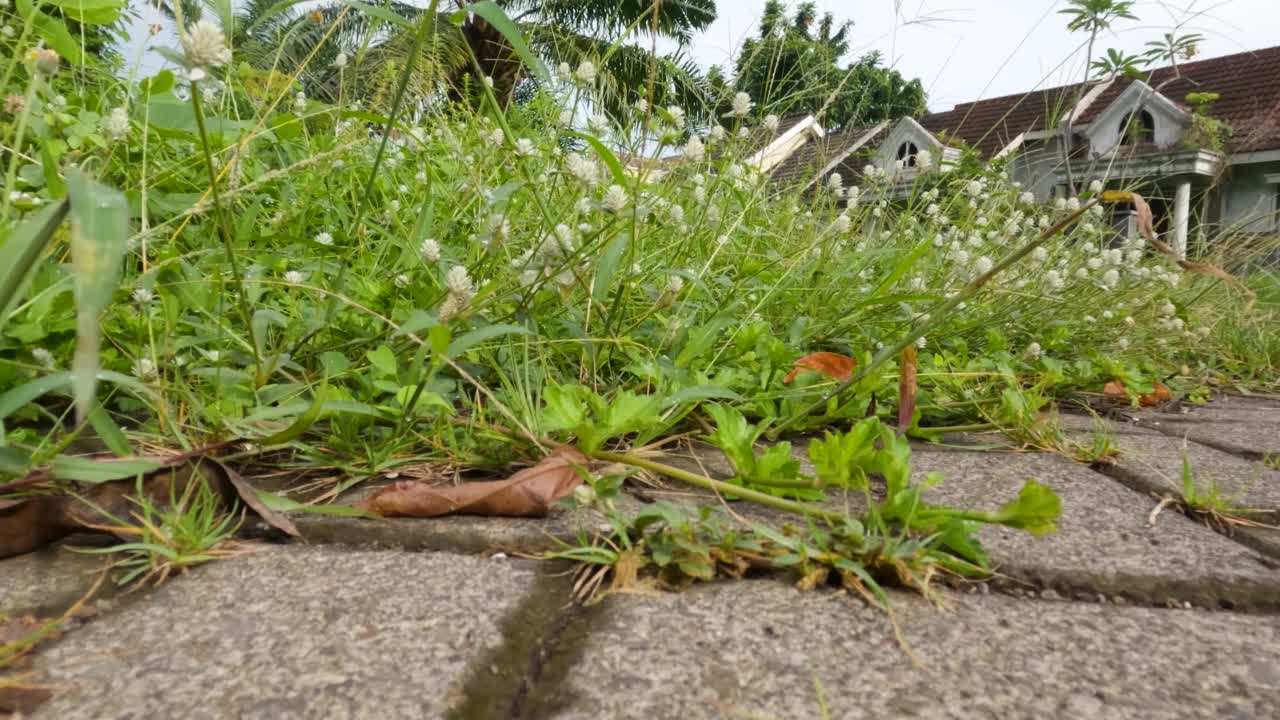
1248 84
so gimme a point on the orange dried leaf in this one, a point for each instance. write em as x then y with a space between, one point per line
1115 390
833 365
1158 396
528 493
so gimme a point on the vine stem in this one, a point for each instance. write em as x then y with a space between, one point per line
722 487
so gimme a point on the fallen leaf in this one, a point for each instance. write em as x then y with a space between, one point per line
528 493
22 699
833 365
907 388
249 496
1160 394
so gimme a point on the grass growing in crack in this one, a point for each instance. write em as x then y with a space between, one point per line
191 529
899 540
1204 499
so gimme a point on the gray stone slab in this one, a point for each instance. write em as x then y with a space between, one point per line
292 632
46 582
1249 427
760 649
1103 544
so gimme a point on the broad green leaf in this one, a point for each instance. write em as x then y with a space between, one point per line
607 267
109 432
161 82
417 321
383 359
20 254
54 33
1036 510
92 12
14 462
299 426
702 392
564 409
89 470
279 503
99 237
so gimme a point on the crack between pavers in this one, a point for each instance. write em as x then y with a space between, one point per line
1229 448
539 645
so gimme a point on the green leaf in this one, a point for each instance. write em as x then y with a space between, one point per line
161 82
99 236
52 178
563 408
607 267
417 321
628 412
475 337
299 426
383 360
14 462
606 156
20 254
735 437
500 22
279 503
1036 510
701 392
17 398
91 12
54 33
109 432
89 470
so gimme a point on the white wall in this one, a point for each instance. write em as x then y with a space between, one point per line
1248 200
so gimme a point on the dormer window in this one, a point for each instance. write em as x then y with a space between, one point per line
1138 128
908 155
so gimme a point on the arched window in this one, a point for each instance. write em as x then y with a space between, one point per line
908 154
1137 128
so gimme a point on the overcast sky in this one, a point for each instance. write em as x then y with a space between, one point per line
970 49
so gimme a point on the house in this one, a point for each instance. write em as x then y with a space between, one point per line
1200 139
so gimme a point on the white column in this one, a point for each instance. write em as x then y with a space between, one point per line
1181 212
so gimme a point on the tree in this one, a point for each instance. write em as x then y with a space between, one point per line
790 68
308 42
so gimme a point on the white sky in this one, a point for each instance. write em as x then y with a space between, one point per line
971 49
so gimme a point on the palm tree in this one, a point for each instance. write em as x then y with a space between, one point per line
307 42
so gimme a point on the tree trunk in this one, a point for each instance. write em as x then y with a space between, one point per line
495 57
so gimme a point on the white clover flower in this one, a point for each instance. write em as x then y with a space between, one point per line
488 80
642 106
340 61
1094 263
497 137
598 123
1123 343
699 194
675 214
1107 314
744 133
452 306
677 116
717 133
144 368
983 265
1128 320
835 182
394 205
1040 254
1095 186
293 277
7 31
1081 274
842 224
564 237
526 148
324 238
1034 351
1111 278
770 123
429 251
116 125
1202 331
675 284
458 281
974 188
921 342
1053 279
564 71
713 214
143 296
1073 204
852 195
586 72
742 104
566 118
403 280
582 168
205 47
694 150
962 256
615 199
734 171
43 357
1168 308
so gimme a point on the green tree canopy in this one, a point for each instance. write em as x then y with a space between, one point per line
797 65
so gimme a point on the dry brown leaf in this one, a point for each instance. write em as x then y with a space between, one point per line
1160 394
22 699
529 493
907 388
833 365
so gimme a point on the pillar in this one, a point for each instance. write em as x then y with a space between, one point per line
1181 215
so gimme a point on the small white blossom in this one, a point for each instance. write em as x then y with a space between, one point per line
458 281
144 368
770 123
1073 204
403 280
293 277
717 133
1111 278
675 284
116 125
1095 186
525 147
586 72
582 168
205 46
43 357
842 224
1034 350
598 123
497 137
1054 279
324 238
694 150
429 251
677 116
615 198
1168 308
974 188
742 104
564 71
983 265
921 342
143 296
340 61
835 182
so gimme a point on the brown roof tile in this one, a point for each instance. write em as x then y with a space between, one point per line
800 167
1248 83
